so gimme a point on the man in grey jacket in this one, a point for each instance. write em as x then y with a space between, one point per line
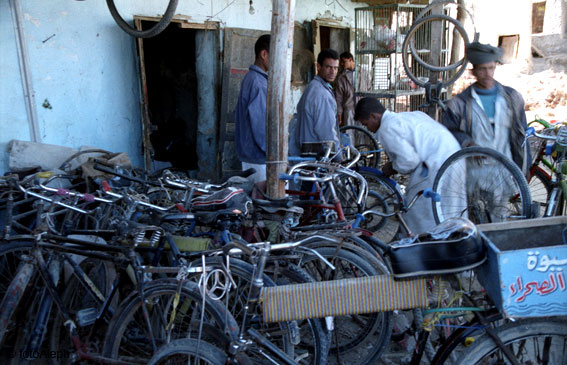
317 108
487 113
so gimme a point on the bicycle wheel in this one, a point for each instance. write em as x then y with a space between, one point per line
371 152
189 351
360 338
155 30
11 254
135 337
280 334
482 185
540 188
536 341
415 45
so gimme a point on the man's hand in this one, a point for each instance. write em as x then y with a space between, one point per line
340 117
388 170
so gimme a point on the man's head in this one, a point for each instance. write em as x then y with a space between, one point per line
369 112
483 58
262 51
328 64
347 61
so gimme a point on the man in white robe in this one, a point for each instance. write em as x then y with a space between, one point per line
416 145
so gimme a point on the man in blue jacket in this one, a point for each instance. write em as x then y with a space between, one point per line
250 113
317 108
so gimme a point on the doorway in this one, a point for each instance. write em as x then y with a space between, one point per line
179 73
171 84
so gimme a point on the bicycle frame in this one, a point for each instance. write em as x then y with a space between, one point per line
558 195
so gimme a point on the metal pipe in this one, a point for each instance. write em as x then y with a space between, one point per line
29 94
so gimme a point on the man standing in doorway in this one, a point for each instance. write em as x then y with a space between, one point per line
250 113
317 108
344 93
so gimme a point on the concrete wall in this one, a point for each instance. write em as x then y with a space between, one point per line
504 17
84 75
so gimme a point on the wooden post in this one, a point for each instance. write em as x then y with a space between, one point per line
279 81
437 33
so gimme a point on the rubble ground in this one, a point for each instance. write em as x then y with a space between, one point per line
544 91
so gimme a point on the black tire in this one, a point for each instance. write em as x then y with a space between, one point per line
408 47
155 30
10 258
371 152
360 338
465 192
189 351
535 341
540 187
127 336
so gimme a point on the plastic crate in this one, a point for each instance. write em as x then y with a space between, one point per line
525 273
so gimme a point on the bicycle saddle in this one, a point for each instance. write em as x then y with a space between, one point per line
453 246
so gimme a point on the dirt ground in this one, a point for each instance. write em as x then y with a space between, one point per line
544 91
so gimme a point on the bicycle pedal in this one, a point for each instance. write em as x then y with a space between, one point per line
86 317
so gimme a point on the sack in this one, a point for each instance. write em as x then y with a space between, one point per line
453 246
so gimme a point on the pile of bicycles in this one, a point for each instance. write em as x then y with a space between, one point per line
123 268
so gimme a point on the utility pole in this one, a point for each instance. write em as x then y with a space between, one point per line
436 45
279 79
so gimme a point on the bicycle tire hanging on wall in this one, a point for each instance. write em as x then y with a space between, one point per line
153 31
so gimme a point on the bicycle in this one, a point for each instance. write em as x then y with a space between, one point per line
482 337
547 181
40 259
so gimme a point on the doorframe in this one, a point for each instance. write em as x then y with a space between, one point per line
316 38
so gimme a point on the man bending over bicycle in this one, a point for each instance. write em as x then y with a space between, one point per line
416 145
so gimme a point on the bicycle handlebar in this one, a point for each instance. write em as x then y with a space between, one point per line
429 193
294 177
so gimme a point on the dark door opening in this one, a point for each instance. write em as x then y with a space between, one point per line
171 88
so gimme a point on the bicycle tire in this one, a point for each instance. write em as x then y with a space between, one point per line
368 142
502 195
407 44
153 31
10 259
540 188
189 351
360 338
127 336
540 332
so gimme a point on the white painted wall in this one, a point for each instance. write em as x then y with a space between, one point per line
504 17
85 67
